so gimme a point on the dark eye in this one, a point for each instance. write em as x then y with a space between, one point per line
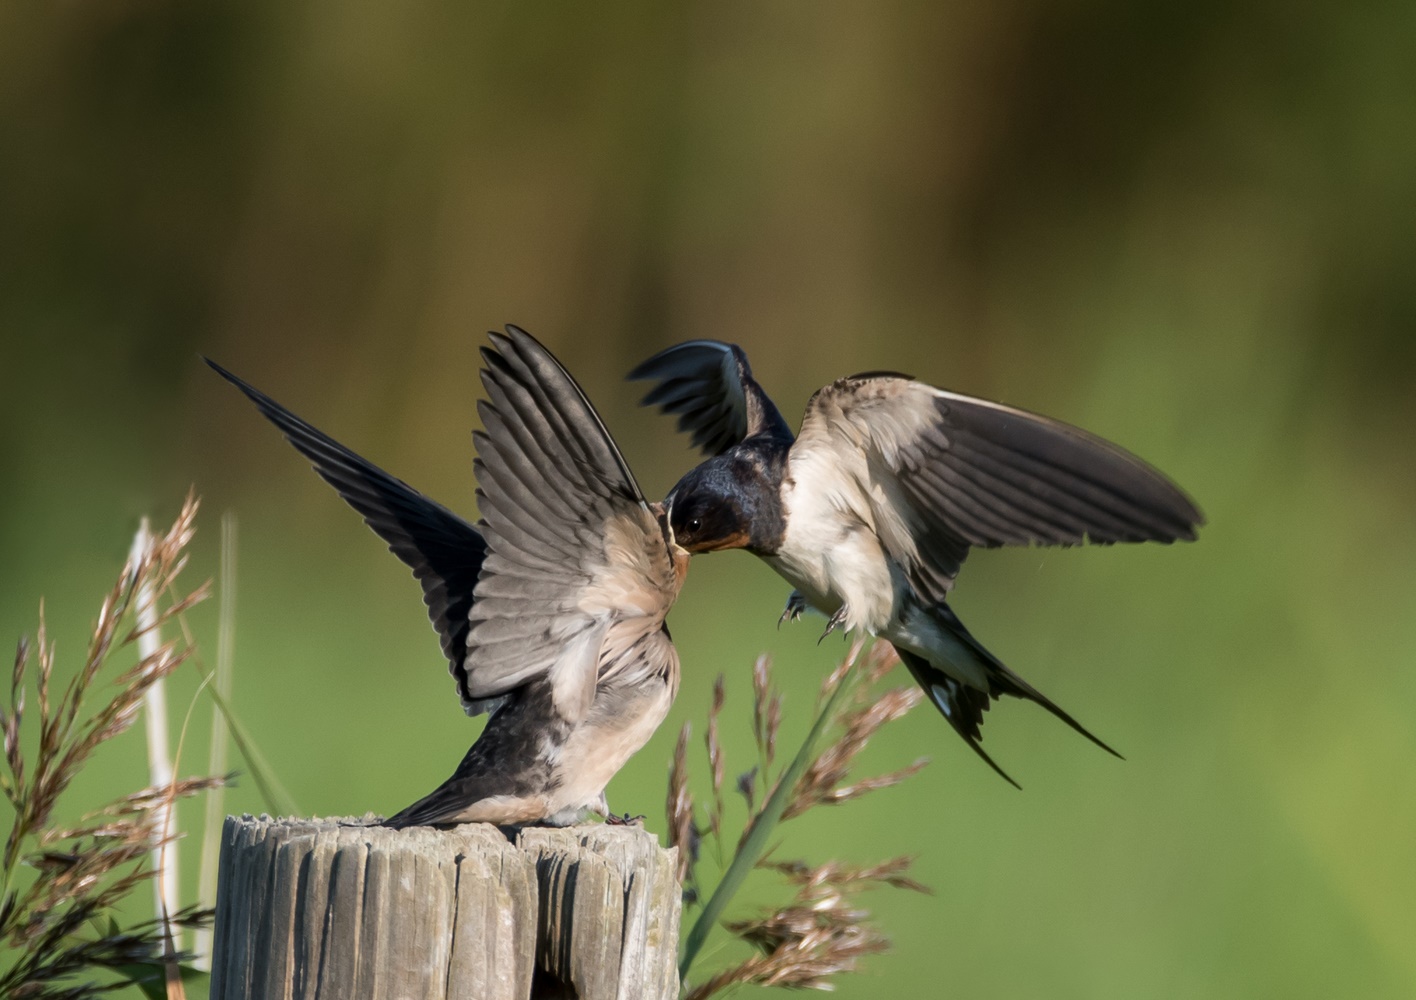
694 524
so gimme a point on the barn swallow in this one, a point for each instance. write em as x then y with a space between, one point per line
870 512
550 611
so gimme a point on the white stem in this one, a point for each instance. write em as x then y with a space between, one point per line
216 762
159 759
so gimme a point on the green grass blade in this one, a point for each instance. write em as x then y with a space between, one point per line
757 838
151 978
277 799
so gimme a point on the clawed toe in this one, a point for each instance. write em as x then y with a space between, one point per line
838 620
614 819
796 607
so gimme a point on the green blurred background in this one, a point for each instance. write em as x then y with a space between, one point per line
1188 227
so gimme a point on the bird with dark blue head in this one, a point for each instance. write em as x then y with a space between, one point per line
872 509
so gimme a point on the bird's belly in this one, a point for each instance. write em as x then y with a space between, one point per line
916 630
848 568
504 810
619 724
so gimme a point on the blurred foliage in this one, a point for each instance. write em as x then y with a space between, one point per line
1187 227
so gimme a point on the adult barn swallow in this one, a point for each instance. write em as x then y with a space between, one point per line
870 512
550 611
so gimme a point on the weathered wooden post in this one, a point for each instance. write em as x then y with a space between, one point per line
344 910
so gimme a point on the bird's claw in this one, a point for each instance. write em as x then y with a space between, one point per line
838 620
796 607
614 819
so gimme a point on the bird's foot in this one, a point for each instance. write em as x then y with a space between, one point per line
614 819
796 607
838 620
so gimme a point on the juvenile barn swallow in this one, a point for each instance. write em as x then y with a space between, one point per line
550 611
870 512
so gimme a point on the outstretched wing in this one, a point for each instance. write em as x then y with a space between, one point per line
710 386
444 551
943 472
578 575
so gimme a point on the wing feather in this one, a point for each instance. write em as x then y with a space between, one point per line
514 407
553 493
709 386
1071 466
990 511
960 472
564 403
1071 504
577 561
444 551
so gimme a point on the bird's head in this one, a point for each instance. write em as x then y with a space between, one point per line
725 503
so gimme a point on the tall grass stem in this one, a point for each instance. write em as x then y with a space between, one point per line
755 843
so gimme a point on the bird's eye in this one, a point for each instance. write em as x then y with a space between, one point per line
694 524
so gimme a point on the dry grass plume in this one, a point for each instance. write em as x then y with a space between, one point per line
61 884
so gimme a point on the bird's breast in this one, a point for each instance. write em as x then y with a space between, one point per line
832 555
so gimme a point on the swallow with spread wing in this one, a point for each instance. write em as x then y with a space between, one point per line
871 510
550 611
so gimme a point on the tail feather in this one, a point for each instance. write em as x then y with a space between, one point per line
472 797
443 804
428 811
504 776
963 706
1003 681
1011 683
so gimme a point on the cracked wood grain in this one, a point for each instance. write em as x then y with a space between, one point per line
344 910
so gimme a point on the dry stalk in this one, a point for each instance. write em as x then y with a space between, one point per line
820 932
683 833
715 758
823 782
55 921
891 873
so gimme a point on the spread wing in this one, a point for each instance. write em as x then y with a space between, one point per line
710 386
944 472
444 551
578 575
